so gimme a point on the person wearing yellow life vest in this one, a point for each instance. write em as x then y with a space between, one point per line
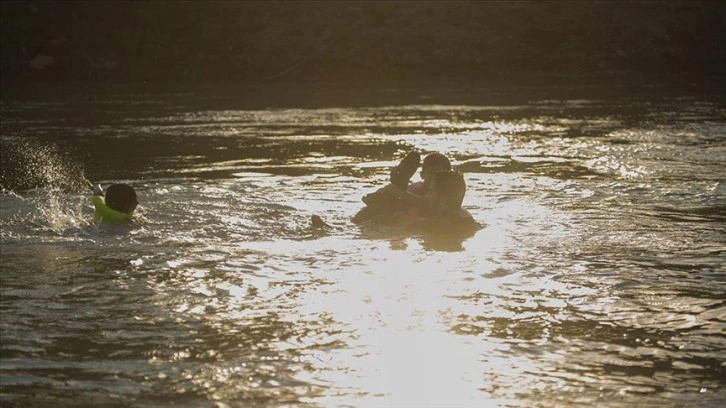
117 206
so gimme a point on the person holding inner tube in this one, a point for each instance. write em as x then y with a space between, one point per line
383 205
379 204
117 206
431 205
441 203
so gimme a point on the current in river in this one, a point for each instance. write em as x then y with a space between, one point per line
598 277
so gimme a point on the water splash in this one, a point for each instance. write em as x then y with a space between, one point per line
30 163
36 213
40 184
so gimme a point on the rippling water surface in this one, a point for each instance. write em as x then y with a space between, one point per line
599 278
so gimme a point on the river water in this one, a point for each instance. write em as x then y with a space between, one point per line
598 278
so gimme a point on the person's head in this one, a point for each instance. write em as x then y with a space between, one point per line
121 197
446 191
432 163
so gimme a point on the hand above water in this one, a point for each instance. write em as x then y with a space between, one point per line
401 174
97 190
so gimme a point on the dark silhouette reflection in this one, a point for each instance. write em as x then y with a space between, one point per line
450 241
445 239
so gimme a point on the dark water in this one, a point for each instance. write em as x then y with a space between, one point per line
599 278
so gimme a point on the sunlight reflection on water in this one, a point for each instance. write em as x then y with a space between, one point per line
597 277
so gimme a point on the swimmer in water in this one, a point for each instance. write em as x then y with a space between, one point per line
382 205
440 207
116 206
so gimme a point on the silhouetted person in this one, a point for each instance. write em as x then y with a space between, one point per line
379 202
440 207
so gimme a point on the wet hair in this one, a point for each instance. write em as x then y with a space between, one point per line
435 160
450 184
432 163
121 197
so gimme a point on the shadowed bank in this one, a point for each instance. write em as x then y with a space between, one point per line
357 42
